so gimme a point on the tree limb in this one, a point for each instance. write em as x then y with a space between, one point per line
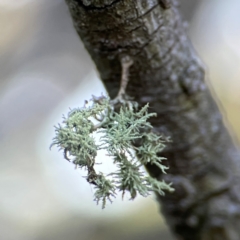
166 72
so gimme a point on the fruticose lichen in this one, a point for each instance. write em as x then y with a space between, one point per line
126 135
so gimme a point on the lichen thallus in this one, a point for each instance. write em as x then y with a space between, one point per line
126 135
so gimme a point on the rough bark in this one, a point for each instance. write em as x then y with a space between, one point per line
203 161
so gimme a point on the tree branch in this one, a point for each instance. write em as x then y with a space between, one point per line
167 73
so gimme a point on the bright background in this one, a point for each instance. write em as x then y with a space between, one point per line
44 70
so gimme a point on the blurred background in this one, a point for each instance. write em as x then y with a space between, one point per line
44 70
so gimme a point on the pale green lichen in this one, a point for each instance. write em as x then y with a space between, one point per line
126 133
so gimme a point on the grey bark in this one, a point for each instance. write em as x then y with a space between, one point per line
203 161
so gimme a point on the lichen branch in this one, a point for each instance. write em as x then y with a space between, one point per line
126 63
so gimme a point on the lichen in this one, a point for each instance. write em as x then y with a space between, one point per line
125 134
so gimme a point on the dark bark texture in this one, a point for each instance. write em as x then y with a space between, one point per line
204 163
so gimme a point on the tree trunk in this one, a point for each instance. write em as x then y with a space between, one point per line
204 163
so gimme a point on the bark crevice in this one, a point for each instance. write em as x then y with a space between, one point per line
89 5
